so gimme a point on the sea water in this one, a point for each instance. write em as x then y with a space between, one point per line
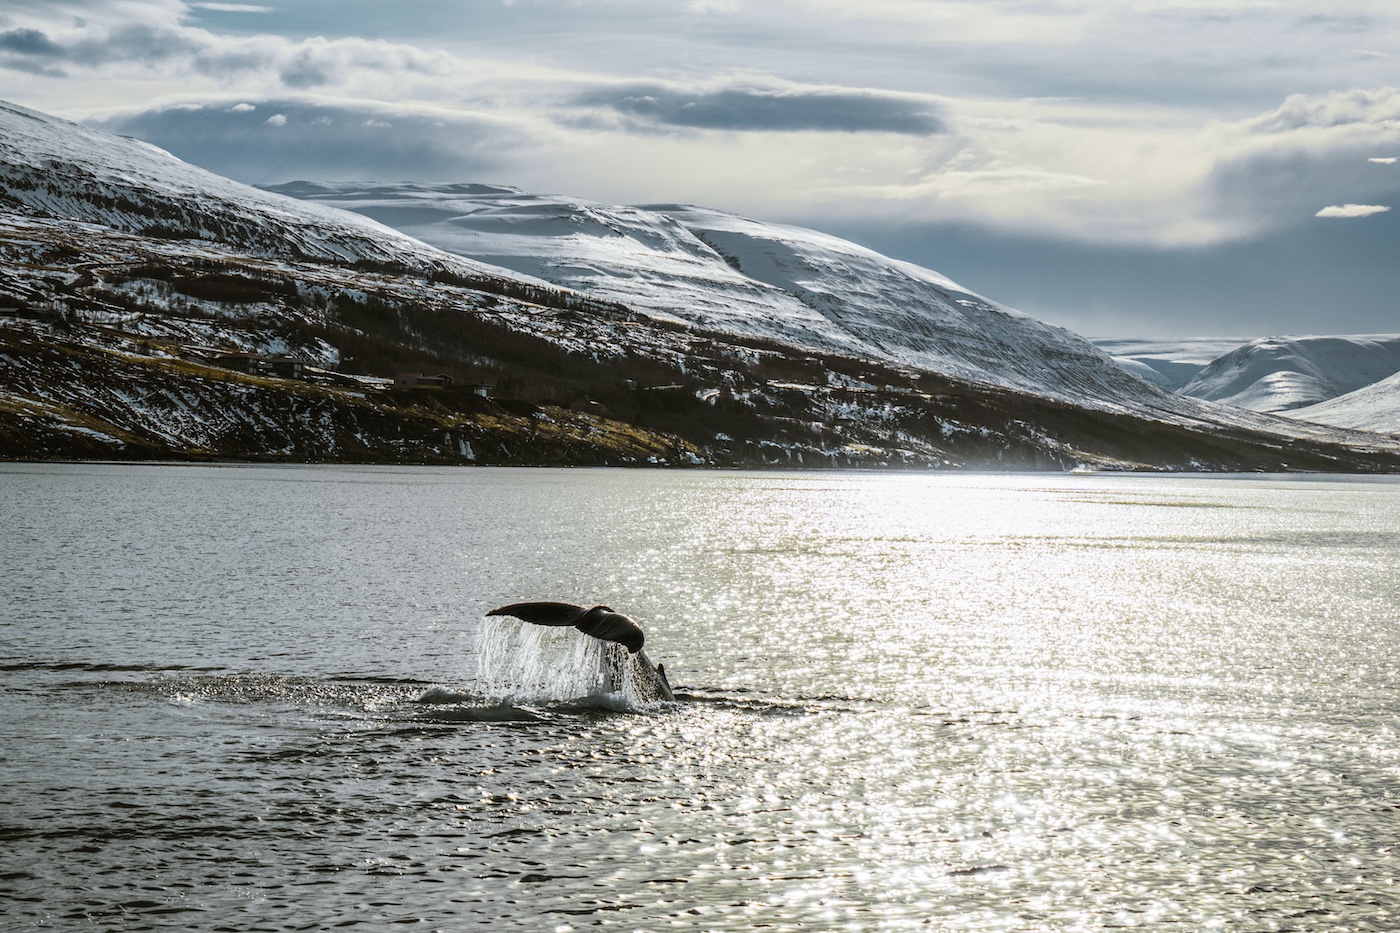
265 698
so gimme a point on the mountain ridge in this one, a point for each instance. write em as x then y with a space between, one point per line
140 280
1278 374
723 272
1373 407
1348 385
821 291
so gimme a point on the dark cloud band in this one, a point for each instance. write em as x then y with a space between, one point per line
768 110
281 140
29 42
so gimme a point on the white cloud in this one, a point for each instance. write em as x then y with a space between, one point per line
1029 117
994 22
1357 106
714 6
1384 160
231 7
1352 210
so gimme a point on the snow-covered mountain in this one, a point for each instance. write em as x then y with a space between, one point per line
1375 407
794 286
1344 381
1284 374
1169 362
664 334
726 273
50 167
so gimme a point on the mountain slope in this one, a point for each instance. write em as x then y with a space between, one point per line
120 346
1278 374
726 273
773 282
150 309
1375 407
54 168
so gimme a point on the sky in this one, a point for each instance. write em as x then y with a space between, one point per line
1123 168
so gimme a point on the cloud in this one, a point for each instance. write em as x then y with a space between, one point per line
342 141
30 42
31 51
770 109
917 136
1352 210
92 49
1161 126
1358 106
149 41
1056 168
1277 167
1314 278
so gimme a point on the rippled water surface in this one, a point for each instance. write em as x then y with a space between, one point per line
253 699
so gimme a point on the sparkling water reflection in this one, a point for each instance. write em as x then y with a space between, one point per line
247 698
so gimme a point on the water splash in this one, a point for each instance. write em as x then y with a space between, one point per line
522 663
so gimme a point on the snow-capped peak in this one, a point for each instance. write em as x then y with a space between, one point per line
1277 374
730 274
55 168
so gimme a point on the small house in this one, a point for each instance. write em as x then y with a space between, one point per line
240 362
422 381
256 364
284 366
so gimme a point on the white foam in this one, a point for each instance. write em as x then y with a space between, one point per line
520 663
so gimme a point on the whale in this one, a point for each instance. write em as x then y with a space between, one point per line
628 664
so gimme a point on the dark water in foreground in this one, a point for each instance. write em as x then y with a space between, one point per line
249 699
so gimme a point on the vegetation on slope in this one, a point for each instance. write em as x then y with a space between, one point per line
113 355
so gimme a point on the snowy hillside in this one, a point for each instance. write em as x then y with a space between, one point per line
1375 407
152 309
1279 374
1352 375
733 275
51 167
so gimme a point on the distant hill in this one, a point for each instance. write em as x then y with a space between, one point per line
730 274
1281 374
1169 362
1375 407
1344 381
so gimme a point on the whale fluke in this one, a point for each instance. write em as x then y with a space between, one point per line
600 621
648 681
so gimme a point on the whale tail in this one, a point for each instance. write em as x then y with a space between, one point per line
631 671
600 621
